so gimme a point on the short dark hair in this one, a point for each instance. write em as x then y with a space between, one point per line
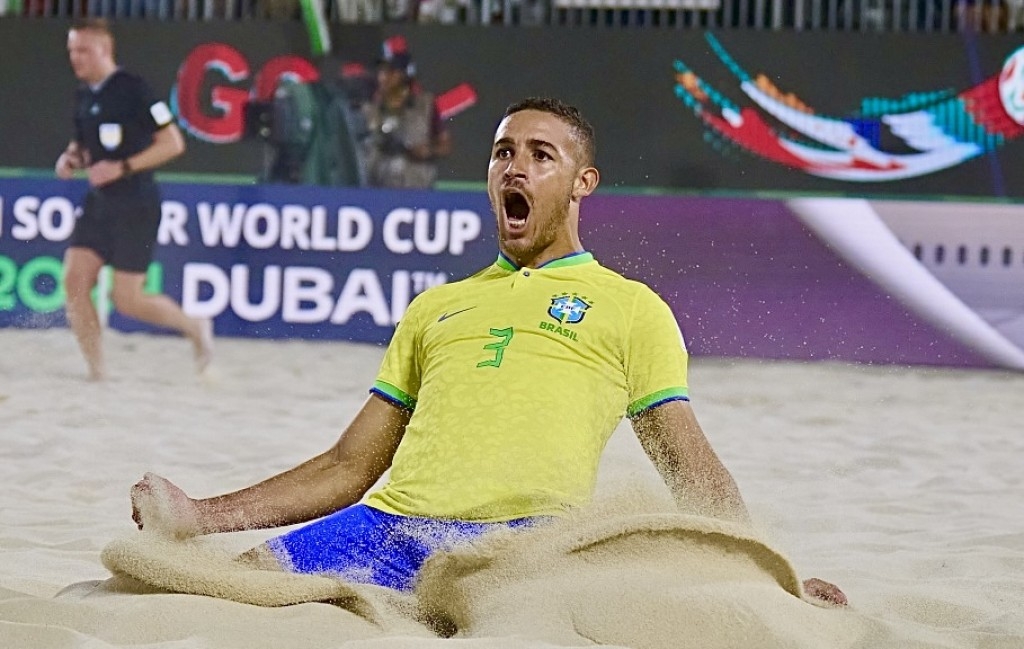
101 25
569 114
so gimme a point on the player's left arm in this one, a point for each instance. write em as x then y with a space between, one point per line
699 482
655 362
676 445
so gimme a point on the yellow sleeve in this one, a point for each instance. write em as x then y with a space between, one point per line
399 377
655 355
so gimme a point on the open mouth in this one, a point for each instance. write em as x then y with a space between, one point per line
517 209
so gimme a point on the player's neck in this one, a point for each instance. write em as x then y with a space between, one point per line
524 259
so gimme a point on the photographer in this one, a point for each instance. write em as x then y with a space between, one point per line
406 134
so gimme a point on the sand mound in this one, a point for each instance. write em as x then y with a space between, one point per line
654 579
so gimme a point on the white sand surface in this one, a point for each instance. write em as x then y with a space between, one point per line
905 486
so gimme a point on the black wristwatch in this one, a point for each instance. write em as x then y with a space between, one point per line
126 168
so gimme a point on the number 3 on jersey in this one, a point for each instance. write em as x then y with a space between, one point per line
498 346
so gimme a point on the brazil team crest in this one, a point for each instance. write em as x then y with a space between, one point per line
568 308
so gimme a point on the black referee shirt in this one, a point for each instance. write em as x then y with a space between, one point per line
117 120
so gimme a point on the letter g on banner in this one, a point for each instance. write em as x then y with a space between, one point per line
228 101
220 118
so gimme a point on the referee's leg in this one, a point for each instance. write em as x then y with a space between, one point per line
155 308
81 272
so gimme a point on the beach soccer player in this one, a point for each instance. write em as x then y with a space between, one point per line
495 398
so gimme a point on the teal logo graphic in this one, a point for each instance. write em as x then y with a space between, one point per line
883 140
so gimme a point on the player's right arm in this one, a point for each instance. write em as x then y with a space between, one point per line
69 160
335 479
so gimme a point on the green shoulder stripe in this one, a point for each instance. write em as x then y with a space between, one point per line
391 393
659 397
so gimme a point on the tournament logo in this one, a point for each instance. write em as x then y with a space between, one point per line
885 140
568 308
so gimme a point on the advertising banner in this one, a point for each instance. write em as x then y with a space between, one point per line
803 279
824 113
262 261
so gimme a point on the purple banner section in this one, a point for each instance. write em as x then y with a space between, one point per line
746 278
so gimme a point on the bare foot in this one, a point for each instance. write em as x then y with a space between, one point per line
159 505
202 343
97 369
825 592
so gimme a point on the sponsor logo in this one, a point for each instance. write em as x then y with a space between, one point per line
215 82
447 314
207 95
934 130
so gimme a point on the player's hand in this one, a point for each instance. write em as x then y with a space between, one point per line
161 506
824 591
105 172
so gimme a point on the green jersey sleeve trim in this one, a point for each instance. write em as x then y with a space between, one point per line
656 399
393 394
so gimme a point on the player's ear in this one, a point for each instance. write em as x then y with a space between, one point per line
586 182
107 45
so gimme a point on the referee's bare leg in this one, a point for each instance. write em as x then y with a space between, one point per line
155 308
81 271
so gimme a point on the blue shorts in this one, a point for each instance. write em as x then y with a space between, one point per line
365 545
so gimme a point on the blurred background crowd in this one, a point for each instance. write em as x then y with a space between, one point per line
879 15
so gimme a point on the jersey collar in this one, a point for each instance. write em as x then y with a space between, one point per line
572 259
96 87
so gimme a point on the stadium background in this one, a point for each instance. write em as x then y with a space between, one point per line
710 226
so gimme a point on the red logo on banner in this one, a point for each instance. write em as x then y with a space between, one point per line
210 94
213 85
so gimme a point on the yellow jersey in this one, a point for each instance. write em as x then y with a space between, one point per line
516 378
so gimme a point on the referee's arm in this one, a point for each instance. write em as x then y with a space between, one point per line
168 144
69 160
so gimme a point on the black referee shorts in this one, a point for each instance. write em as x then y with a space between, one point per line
121 228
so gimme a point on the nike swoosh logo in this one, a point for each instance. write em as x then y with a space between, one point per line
446 315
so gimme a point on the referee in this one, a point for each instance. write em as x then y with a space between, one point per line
122 133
